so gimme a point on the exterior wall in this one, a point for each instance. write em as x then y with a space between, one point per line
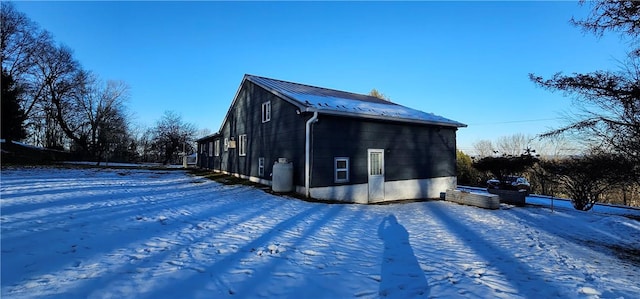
394 190
412 152
250 178
420 160
205 160
420 188
281 137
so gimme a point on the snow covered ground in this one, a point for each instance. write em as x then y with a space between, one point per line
136 233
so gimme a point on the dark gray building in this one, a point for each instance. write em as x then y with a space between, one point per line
343 146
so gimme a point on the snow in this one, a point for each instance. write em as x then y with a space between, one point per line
119 164
565 204
140 233
23 144
561 203
336 104
335 101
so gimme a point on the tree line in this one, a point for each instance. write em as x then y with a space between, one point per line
586 177
606 103
50 100
605 121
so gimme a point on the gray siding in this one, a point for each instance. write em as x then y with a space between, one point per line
281 137
204 159
411 151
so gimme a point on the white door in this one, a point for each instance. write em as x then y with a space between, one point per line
376 175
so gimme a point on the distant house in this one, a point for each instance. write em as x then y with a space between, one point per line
343 146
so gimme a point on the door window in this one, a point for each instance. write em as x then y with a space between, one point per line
376 163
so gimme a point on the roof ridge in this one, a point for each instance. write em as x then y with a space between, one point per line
329 89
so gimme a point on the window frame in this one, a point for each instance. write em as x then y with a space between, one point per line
266 112
376 165
337 170
210 149
242 145
226 144
261 166
216 148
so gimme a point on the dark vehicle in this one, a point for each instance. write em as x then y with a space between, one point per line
516 183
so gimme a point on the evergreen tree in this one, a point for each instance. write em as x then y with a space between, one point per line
607 113
13 116
466 174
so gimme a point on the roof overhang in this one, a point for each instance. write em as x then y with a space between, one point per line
208 137
383 117
303 105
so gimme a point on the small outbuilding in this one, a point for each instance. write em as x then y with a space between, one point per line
342 146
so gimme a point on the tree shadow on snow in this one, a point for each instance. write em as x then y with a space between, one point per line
401 275
600 238
76 237
520 277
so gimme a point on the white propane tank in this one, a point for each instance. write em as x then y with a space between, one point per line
282 180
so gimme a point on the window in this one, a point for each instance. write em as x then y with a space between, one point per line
261 166
226 144
376 163
216 148
210 148
242 147
341 165
266 111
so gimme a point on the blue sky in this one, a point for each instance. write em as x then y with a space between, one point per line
467 61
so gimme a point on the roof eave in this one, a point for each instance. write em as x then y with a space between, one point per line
247 77
385 117
208 137
235 97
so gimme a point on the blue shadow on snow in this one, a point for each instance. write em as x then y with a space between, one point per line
401 275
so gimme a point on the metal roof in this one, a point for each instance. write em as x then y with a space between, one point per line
329 101
210 136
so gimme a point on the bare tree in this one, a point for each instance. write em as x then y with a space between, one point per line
585 178
553 147
144 142
102 119
19 38
375 93
513 145
64 81
612 15
203 132
171 135
64 105
22 40
484 148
